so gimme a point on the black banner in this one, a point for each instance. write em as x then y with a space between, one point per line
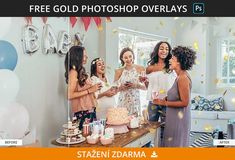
117 8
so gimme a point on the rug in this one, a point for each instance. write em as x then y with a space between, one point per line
202 139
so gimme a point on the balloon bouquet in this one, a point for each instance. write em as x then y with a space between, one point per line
14 117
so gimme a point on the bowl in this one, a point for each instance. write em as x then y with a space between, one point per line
106 141
92 140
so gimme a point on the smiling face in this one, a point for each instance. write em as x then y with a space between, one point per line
100 67
128 58
174 63
163 51
85 57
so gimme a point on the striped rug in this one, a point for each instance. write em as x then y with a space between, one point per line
202 139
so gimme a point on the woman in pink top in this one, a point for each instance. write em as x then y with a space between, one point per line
80 89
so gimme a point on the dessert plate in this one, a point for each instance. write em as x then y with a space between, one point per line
82 139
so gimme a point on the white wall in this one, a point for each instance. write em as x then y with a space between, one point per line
193 31
42 83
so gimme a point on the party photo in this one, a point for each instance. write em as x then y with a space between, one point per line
117 81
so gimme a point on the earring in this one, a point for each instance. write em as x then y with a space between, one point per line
74 67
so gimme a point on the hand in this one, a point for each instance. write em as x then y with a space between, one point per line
143 79
110 93
130 85
161 102
95 88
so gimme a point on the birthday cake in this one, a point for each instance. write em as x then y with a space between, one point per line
117 116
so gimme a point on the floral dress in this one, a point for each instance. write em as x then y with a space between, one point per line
130 98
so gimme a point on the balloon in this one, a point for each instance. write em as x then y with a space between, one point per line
30 39
14 120
64 41
79 39
49 44
9 86
8 55
5 25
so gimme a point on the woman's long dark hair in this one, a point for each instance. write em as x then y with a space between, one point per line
154 56
73 60
124 50
94 67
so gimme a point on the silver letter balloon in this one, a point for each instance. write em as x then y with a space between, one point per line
30 39
49 43
64 41
79 39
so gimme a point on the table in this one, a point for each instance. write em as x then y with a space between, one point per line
134 138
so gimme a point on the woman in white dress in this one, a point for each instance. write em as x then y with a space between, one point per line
127 78
159 81
105 96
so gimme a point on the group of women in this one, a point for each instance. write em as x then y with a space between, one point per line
167 82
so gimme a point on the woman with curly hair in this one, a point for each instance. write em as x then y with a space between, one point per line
177 126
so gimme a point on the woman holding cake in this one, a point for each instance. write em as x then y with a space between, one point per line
177 126
127 78
105 96
80 88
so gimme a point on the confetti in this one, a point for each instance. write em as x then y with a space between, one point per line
217 107
169 139
151 130
226 57
233 100
195 45
233 71
174 33
199 113
153 107
180 115
197 62
162 91
162 23
208 128
182 24
98 109
115 31
217 81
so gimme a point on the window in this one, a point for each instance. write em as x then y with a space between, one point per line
142 44
226 60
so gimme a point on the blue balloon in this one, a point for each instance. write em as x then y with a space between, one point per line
8 55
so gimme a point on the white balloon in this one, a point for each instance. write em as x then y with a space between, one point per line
5 25
64 40
49 43
9 86
14 120
30 39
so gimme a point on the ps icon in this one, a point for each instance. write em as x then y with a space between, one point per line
198 8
